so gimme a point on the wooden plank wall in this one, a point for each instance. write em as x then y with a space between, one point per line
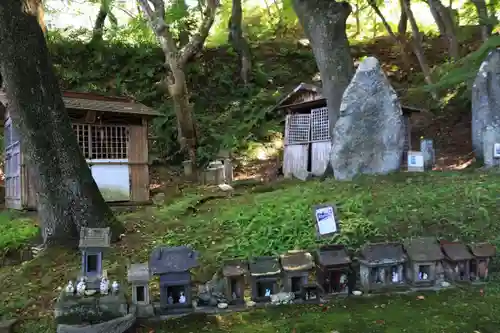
320 155
295 158
138 159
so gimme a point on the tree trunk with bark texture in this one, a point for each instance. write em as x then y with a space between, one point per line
417 43
35 7
324 24
444 20
398 41
239 42
98 30
175 61
484 18
67 195
403 21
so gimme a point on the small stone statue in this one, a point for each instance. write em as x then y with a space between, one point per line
115 287
70 288
104 286
170 299
182 298
81 287
234 296
395 277
268 292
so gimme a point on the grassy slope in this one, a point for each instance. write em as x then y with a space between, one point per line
15 231
454 205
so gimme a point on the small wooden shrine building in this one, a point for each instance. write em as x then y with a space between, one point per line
113 135
307 137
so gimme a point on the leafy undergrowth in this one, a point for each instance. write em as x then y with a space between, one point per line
449 205
15 232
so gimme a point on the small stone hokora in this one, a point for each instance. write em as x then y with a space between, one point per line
70 288
104 286
81 287
182 298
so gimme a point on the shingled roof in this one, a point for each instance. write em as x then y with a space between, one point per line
382 253
96 102
172 259
483 250
138 273
95 238
423 249
264 266
297 260
333 255
456 251
235 267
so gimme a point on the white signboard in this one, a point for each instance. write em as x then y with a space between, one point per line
326 223
415 161
496 150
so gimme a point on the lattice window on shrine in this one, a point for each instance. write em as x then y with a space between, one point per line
298 128
82 136
109 142
320 125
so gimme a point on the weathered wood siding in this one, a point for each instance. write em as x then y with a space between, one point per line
302 96
138 159
320 154
295 159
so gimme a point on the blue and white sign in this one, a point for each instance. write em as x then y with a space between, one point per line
325 220
496 150
415 160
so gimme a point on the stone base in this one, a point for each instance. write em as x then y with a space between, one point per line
142 311
74 310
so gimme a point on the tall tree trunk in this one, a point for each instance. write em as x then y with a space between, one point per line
324 24
98 30
417 44
484 18
446 25
239 43
67 195
403 20
399 42
176 60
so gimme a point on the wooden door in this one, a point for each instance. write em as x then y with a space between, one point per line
321 144
12 168
297 137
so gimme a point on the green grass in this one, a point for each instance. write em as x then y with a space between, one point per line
448 205
15 232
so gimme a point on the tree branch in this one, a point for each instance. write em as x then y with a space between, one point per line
197 41
160 27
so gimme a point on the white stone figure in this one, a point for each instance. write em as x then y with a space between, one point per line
268 292
81 287
115 287
70 288
182 298
381 276
104 286
234 296
170 300
395 277
425 276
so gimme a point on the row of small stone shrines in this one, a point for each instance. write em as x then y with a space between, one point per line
418 263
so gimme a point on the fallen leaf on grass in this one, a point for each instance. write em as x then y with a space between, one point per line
420 297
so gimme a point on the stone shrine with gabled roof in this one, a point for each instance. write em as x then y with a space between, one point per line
483 253
424 267
296 266
457 261
173 265
93 242
234 272
333 269
382 266
264 277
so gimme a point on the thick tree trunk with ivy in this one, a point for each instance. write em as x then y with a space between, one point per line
239 42
67 195
176 58
444 20
324 24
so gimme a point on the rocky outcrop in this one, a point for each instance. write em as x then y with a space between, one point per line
486 103
369 136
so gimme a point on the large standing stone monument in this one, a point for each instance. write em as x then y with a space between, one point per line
368 138
486 107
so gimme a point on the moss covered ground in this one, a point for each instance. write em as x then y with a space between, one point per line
277 218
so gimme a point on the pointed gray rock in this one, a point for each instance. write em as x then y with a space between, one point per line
369 136
486 101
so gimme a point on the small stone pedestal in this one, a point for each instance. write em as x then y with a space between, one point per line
79 310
